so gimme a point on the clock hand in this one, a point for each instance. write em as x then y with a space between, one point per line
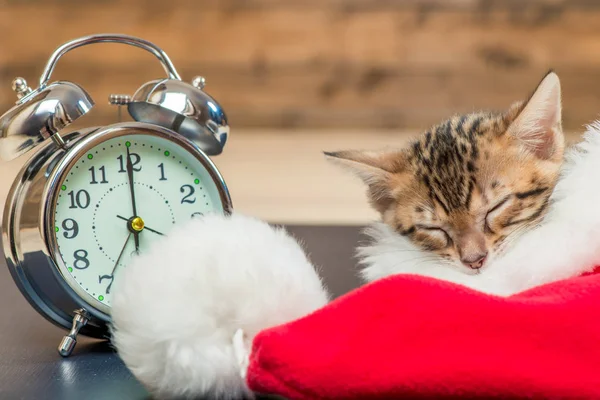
112 274
145 227
153 231
120 254
136 236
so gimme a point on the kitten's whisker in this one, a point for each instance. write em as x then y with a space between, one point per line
418 260
400 251
514 236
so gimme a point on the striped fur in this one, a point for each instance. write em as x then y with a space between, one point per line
470 184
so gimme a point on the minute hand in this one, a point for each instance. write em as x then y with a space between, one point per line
136 236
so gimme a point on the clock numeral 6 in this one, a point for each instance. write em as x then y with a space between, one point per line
81 199
71 228
186 197
81 261
135 160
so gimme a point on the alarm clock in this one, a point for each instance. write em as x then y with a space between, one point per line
89 200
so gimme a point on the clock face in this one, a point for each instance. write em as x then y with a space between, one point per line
99 224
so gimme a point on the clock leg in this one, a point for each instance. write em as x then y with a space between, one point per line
68 342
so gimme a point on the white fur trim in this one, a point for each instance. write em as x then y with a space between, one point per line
178 309
241 351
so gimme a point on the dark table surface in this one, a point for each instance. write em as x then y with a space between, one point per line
30 367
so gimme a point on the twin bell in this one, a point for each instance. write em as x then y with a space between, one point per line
171 103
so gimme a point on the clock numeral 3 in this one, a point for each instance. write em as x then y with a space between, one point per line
102 174
81 261
186 197
81 199
101 278
71 228
197 215
161 166
135 160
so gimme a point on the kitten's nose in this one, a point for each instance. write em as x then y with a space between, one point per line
474 261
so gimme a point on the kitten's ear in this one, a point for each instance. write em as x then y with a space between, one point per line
537 125
381 171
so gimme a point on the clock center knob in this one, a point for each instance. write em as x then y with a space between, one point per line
137 224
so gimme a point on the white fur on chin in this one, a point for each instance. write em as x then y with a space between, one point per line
566 244
178 309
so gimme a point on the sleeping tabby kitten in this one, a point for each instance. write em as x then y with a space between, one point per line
468 186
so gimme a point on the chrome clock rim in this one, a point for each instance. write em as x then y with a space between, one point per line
22 239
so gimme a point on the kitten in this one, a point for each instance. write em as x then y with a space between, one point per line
460 194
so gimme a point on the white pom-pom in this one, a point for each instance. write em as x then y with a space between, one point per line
178 309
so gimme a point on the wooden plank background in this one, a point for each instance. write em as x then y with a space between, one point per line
340 64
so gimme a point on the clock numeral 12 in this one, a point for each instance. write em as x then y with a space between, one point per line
102 173
135 160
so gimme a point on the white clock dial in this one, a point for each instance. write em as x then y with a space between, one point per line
94 217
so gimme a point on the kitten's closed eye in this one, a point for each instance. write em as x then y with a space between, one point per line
495 211
438 233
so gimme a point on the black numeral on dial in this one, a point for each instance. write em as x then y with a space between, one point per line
71 228
197 214
102 174
81 199
135 160
161 166
81 260
186 197
103 277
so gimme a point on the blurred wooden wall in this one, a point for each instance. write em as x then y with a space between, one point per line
344 64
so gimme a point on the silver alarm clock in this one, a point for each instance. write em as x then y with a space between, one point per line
89 200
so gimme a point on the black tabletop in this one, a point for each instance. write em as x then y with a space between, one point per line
30 367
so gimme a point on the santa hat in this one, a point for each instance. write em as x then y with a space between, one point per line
229 306
416 337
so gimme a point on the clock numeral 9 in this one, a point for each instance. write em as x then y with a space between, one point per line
81 199
81 261
71 228
102 174
186 197
135 160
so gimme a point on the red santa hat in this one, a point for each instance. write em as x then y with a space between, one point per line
229 306
416 337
